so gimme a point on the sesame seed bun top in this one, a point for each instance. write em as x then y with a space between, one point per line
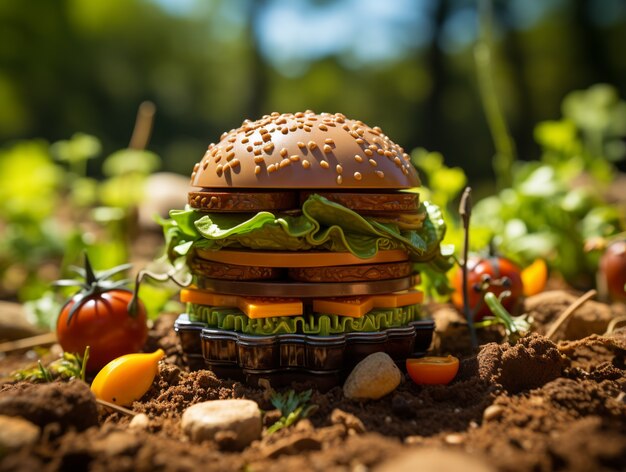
305 150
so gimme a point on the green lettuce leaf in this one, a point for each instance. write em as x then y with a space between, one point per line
323 225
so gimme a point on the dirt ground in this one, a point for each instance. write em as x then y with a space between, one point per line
536 406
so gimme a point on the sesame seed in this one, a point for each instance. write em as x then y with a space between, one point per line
196 166
360 132
300 125
230 155
258 143
324 164
380 174
377 129
329 141
358 176
268 148
327 149
312 145
283 152
205 164
217 159
284 130
266 137
397 161
346 127
272 168
257 152
299 114
306 164
306 128
406 156
293 128
219 170
388 153
249 133
373 147
373 162
249 148
259 159
359 141
368 152
354 134
339 179
229 147
234 163
339 169
358 158
323 127
380 151
405 171
263 131
294 158
257 170
284 162
275 114
244 140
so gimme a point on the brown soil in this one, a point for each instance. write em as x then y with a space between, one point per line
535 406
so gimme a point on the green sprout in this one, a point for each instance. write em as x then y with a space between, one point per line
293 406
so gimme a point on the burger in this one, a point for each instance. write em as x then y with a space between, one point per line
305 237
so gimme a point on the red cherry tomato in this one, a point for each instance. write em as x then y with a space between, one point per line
501 274
432 370
613 270
103 323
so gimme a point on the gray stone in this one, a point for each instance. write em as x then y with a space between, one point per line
240 418
374 377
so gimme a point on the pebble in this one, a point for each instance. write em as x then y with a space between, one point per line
454 439
239 418
139 422
16 432
374 377
430 459
493 412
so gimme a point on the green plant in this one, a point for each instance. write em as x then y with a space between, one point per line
293 407
556 204
68 366
515 327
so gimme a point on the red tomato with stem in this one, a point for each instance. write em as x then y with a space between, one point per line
102 317
613 270
103 323
491 274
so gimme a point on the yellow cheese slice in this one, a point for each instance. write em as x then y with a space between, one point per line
398 299
269 307
201 297
349 306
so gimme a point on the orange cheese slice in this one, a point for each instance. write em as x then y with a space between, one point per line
201 297
349 306
269 307
398 299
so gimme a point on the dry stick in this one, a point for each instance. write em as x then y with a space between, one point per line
143 126
119 409
27 343
465 210
568 312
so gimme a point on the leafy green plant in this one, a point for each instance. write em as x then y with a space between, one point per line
293 406
68 366
515 327
557 203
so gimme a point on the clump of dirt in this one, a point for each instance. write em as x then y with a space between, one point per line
68 405
530 363
534 406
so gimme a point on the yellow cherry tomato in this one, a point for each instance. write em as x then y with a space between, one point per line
534 277
127 378
432 370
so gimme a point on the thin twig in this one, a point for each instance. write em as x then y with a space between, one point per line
614 323
119 409
465 211
143 126
27 343
569 311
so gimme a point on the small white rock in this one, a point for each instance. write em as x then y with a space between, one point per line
242 418
372 378
139 422
16 432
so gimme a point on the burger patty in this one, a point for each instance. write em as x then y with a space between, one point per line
210 200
